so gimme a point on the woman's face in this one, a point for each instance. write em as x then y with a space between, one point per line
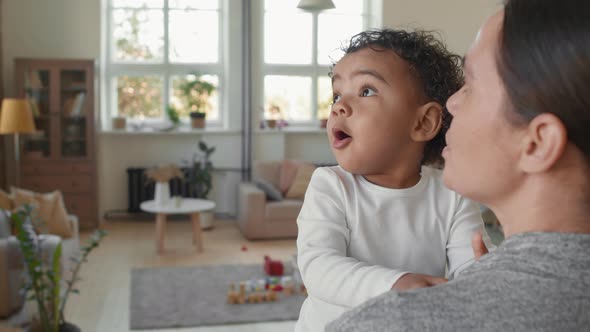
481 158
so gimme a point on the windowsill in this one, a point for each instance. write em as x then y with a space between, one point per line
173 132
291 130
211 131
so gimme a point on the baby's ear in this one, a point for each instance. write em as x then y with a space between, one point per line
428 122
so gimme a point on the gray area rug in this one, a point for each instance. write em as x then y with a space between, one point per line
196 296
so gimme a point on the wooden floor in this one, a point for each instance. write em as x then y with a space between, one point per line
103 302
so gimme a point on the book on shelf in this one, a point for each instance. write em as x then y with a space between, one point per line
73 106
33 80
33 105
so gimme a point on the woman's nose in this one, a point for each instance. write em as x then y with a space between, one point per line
453 102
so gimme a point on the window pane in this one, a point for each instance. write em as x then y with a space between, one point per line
333 32
281 5
287 97
324 97
138 3
182 95
139 34
139 96
194 4
287 38
347 6
194 36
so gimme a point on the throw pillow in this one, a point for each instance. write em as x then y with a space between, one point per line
272 193
299 186
49 215
288 173
5 201
60 223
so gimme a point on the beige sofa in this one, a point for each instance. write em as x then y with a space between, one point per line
12 264
260 218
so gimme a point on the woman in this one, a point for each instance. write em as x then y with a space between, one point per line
520 144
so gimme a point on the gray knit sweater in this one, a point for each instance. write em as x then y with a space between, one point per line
531 282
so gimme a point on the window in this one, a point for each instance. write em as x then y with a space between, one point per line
154 47
298 50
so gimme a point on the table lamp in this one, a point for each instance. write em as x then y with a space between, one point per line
16 118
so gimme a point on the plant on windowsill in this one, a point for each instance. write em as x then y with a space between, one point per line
173 115
42 282
200 179
195 93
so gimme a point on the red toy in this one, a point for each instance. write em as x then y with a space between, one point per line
273 267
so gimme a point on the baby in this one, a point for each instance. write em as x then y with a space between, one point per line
382 220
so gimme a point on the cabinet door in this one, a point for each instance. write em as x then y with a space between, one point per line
36 88
73 113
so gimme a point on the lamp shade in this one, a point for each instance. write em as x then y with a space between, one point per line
315 4
16 117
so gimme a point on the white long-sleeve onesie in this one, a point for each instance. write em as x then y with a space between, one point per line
356 239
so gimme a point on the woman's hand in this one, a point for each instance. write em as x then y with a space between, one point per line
479 247
415 280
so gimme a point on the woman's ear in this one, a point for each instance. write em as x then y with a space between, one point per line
428 122
544 143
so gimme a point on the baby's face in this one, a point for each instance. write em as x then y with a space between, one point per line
375 102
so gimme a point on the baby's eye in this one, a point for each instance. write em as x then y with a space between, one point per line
368 92
335 99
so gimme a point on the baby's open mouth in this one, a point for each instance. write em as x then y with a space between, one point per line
341 138
340 134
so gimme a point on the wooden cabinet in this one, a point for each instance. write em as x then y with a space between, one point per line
61 154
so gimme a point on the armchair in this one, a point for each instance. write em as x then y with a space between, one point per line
12 264
260 218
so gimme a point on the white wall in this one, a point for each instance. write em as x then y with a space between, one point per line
48 29
72 29
457 20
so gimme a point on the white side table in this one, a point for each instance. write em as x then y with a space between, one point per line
190 206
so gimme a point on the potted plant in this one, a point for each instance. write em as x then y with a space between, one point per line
200 179
173 115
195 94
42 283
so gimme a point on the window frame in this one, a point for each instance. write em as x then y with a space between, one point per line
314 70
164 68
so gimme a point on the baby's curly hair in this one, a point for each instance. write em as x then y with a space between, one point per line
437 70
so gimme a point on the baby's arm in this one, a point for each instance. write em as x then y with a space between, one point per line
327 271
467 221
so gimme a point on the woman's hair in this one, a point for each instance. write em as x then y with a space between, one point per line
544 62
437 71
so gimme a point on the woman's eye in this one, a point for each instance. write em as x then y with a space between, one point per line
335 99
367 92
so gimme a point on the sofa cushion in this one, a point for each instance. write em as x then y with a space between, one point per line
267 170
272 193
49 208
302 178
285 210
288 173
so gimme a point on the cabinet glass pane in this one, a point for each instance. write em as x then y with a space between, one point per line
73 93
37 145
73 113
73 136
37 91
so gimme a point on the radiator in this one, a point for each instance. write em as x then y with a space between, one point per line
140 189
